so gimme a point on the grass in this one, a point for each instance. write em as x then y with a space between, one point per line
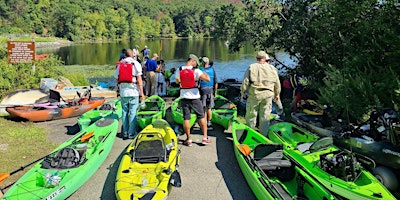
29 39
20 144
88 74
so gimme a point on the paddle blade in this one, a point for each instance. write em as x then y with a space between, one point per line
3 177
87 136
244 149
175 179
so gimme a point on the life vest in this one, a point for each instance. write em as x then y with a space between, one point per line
125 73
211 72
294 80
187 78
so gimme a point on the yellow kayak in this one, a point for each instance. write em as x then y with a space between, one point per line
150 164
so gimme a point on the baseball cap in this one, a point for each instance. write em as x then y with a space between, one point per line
155 55
262 54
206 60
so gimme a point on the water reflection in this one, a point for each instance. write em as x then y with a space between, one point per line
173 51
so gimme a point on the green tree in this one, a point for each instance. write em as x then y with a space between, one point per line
347 47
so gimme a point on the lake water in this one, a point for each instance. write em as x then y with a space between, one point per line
173 51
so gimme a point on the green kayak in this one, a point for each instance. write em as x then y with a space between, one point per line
223 112
267 172
222 90
177 113
69 166
335 169
173 91
109 107
155 109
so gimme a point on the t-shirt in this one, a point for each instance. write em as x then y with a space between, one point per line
192 93
151 65
129 89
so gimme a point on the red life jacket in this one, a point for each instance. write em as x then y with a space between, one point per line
187 78
125 73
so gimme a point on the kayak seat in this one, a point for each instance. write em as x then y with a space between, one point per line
151 106
149 151
107 106
146 115
270 157
318 145
303 147
63 159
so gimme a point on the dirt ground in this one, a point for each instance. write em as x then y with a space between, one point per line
207 172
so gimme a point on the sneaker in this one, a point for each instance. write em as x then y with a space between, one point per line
125 136
131 136
187 143
206 141
209 124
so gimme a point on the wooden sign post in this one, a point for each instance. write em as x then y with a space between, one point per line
20 52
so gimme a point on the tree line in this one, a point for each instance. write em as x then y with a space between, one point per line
110 19
348 49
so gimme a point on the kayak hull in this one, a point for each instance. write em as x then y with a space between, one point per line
177 113
155 109
173 91
323 161
50 178
108 108
281 182
36 114
224 112
142 171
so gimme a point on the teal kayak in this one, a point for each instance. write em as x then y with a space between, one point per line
224 111
335 169
268 173
69 166
177 113
109 107
155 108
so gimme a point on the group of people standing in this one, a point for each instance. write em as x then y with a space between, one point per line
198 82
197 88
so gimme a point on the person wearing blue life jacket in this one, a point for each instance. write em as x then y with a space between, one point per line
208 90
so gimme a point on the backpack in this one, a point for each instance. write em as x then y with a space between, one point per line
188 78
125 73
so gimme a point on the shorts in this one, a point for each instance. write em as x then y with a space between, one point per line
207 97
192 104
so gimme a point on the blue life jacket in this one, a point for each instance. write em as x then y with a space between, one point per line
210 71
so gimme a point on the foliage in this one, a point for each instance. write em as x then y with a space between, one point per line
27 75
349 48
109 19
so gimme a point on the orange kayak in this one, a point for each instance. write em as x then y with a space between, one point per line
44 112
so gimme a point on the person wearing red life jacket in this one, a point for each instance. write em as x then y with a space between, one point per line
130 89
188 76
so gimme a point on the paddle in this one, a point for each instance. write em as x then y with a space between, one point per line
175 178
4 176
269 184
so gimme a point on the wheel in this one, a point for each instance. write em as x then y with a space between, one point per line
386 177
